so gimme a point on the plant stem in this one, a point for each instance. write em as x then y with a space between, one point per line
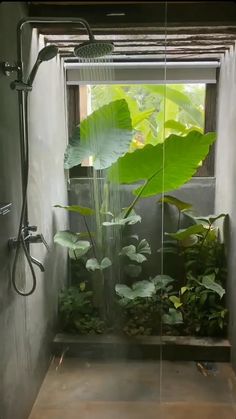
129 209
90 237
178 225
75 255
204 239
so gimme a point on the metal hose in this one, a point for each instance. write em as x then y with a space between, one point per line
25 175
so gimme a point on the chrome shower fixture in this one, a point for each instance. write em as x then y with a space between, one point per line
45 54
23 85
93 49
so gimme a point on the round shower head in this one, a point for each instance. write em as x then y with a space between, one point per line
47 53
93 49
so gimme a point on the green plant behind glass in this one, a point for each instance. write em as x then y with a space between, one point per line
106 135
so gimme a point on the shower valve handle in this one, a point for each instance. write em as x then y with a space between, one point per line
38 238
32 228
44 242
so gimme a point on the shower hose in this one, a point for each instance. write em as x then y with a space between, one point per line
20 242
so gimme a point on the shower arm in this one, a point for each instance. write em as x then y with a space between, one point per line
51 21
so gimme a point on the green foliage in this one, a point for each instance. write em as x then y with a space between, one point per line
137 253
173 317
144 305
203 258
138 289
133 271
78 209
185 233
156 111
105 135
93 264
208 282
162 282
180 205
196 306
131 252
144 247
203 311
72 241
180 99
121 220
77 314
182 158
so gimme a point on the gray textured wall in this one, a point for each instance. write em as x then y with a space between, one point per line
26 324
199 192
226 176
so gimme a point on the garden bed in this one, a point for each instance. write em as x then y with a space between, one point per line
110 347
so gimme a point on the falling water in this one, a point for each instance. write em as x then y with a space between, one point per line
103 195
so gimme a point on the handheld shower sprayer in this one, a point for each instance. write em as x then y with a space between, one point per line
45 54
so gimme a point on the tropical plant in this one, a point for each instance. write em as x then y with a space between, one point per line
156 110
146 306
106 135
77 314
201 297
163 167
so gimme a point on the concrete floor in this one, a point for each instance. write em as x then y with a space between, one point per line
131 390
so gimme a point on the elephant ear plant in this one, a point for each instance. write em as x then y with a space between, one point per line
106 136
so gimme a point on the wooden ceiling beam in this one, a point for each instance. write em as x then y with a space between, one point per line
142 31
163 45
144 37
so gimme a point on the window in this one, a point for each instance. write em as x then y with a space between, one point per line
157 110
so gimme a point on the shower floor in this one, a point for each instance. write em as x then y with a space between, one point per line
131 390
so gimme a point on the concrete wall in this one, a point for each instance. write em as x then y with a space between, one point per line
27 324
226 175
199 192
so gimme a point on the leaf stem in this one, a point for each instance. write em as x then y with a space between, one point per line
129 209
90 237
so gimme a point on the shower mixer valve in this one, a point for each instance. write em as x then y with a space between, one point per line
29 238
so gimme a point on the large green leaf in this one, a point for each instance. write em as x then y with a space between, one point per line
77 247
177 159
131 252
211 218
140 289
144 247
133 218
173 317
93 264
105 135
208 281
77 208
187 232
172 200
176 301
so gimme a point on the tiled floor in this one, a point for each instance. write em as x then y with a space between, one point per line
131 390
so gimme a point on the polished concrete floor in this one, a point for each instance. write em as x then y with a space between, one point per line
136 390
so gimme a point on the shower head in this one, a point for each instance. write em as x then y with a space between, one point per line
45 54
93 49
